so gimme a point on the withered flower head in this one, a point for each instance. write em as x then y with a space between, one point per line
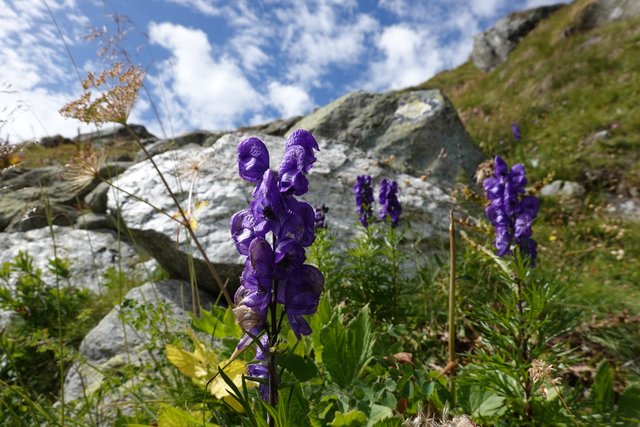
84 167
117 90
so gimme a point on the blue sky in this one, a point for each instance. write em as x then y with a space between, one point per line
214 64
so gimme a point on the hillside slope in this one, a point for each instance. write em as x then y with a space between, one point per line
562 85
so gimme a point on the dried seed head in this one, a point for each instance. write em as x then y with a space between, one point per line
117 90
84 167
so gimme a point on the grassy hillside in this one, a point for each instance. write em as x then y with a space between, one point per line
561 85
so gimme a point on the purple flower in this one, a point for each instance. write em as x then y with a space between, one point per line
319 217
510 211
363 191
389 204
515 130
260 370
274 271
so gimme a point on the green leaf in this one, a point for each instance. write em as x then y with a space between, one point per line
629 403
219 323
480 402
174 417
379 413
353 418
295 407
320 318
302 368
602 388
347 350
389 422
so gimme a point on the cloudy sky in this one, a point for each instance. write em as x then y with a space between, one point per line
219 64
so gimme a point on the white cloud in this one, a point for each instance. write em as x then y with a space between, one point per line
409 58
322 36
289 100
486 8
203 89
207 7
37 68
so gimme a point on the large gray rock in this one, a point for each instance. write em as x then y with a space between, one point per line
201 138
563 190
425 205
116 357
417 133
90 253
35 198
600 12
492 47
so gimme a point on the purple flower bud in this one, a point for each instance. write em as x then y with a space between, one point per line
363 191
253 159
388 199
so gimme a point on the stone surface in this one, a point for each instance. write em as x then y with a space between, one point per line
425 205
95 221
200 138
116 343
563 189
274 128
492 47
600 12
90 253
417 133
24 196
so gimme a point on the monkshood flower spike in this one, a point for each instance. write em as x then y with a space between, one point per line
273 232
388 199
363 191
510 211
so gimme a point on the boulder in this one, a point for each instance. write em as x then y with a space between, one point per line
492 47
425 205
563 190
54 141
123 340
200 138
27 196
600 12
95 221
276 128
90 253
417 133
111 132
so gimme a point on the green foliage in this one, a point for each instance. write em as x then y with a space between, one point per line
347 350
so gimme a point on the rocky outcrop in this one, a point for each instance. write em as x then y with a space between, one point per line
600 12
200 138
425 205
121 345
90 253
492 47
417 133
35 198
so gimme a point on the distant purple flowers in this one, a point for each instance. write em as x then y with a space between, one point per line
363 191
319 219
273 232
515 130
389 205
388 199
510 211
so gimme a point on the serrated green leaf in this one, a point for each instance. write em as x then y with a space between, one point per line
295 407
174 417
302 368
480 402
353 418
378 413
347 350
603 388
629 403
219 323
389 422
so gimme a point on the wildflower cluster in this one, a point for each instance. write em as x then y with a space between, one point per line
510 211
388 199
275 272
